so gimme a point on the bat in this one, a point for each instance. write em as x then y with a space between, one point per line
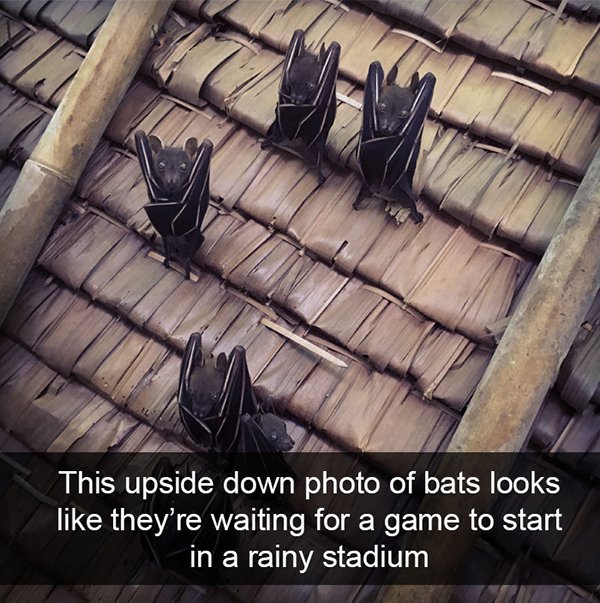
390 139
218 407
171 550
306 106
178 188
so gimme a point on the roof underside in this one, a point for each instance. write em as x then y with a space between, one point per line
91 350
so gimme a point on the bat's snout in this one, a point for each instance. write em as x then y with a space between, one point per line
299 99
287 445
172 185
387 130
391 127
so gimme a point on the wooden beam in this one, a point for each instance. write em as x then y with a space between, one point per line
524 366
51 173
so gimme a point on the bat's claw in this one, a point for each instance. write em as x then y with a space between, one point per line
417 216
166 263
359 204
155 36
362 200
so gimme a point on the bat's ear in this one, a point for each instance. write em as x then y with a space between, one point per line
322 54
414 82
268 405
391 76
191 146
221 363
155 143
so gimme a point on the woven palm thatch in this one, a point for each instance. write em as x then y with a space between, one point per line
91 350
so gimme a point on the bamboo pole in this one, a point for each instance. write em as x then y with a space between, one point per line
524 366
51 173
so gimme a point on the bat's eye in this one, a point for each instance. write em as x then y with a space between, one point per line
274 436
183 166
404 113
310 85
161 165
381 106
214 396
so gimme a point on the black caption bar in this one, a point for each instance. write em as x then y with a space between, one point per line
299 519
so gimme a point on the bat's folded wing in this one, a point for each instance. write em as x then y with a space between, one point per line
144 153
404 159
237 398
378 163
325 94
192 360
162 215
295 49
292 118
371 98
197 194
171 549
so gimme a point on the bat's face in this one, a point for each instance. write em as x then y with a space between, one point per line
206 384
393 109
303 79
395 103
276 432
173 165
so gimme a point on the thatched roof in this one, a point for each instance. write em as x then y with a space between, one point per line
91 349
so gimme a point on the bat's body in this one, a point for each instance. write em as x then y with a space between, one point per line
303 78
306 107
393 120
177 182
218 407
171 550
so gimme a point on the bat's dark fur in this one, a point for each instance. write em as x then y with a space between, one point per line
173 165
218 407
177 181
303 77
306 107
390 141
395 103
171 550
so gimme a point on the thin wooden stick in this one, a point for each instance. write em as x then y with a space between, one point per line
349 101
522 80
418 38
311 347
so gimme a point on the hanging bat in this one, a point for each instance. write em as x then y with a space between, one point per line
390 140
306 107
218 407
171 550
178 189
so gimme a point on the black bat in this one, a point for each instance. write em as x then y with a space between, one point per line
218 407
178 187
390 139
306 107
171 550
